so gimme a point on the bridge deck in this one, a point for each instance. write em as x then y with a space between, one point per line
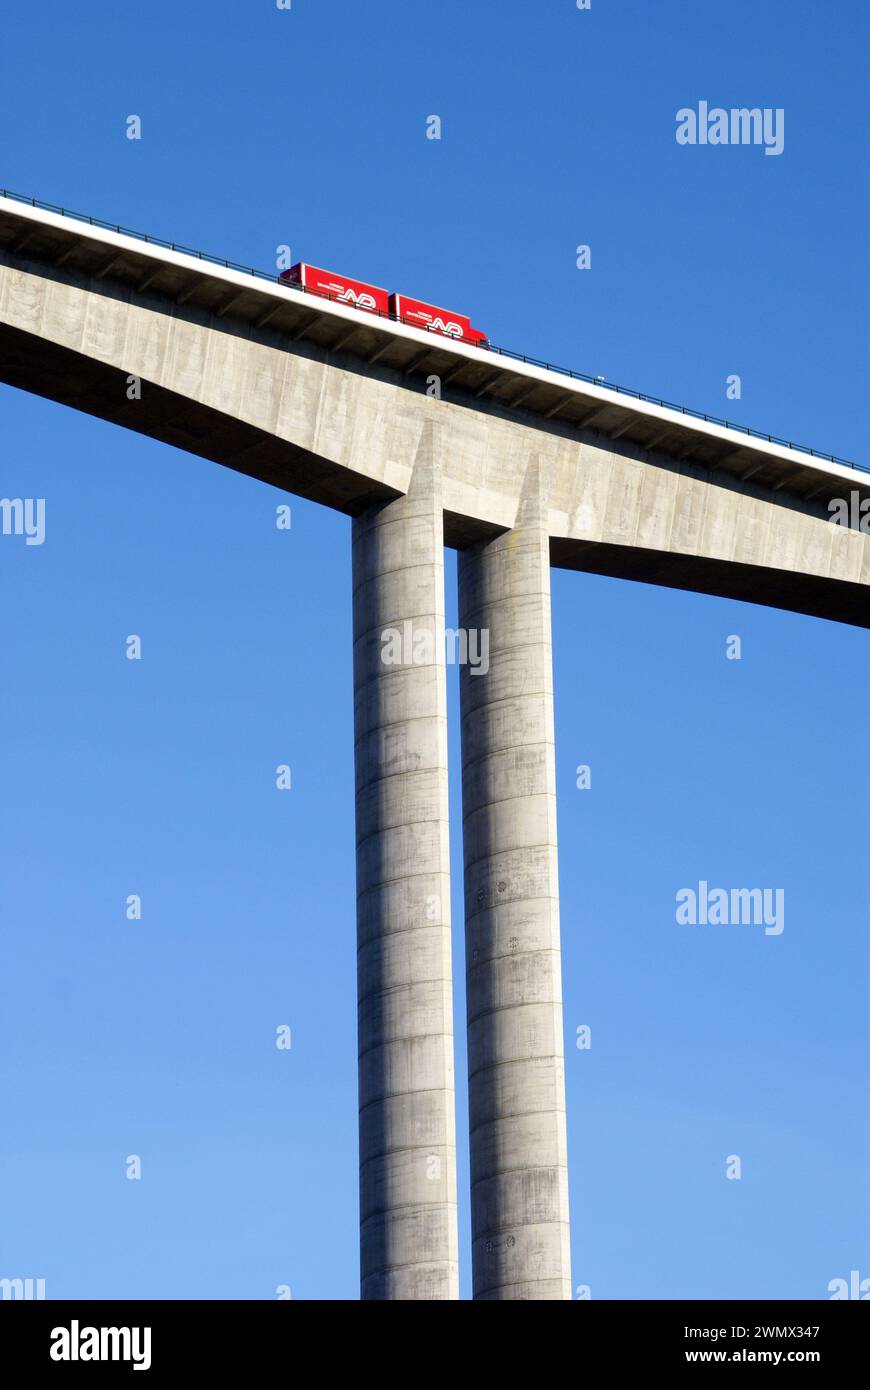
504 382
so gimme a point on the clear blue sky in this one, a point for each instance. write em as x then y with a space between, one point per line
262 127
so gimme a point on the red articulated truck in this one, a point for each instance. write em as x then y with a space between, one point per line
357 294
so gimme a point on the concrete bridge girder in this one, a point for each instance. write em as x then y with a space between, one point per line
322 426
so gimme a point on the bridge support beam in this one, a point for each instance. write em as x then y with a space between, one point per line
409 1243
519 1173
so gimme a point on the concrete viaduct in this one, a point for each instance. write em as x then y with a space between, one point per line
520 468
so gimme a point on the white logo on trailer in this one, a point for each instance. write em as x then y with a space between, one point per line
362 301
452 329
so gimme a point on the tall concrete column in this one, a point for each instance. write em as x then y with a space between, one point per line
519 1164
407 1127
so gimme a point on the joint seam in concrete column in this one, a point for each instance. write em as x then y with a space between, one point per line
393 991
403 825
409 1264
530 1168
413 718
425 507
502 800
555 1001
368 637
425 771
435 1149
518 1115
538 898
550 1002
412 1206
408 1037
505 700
401 878
385 574
524 1283
506 647
472 864
511 849
394 724
510 600
399 931
512 1062
416 1091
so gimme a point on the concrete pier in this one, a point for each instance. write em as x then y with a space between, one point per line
519 1175
409 1243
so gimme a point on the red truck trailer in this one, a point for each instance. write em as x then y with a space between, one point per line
339 288
429 316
